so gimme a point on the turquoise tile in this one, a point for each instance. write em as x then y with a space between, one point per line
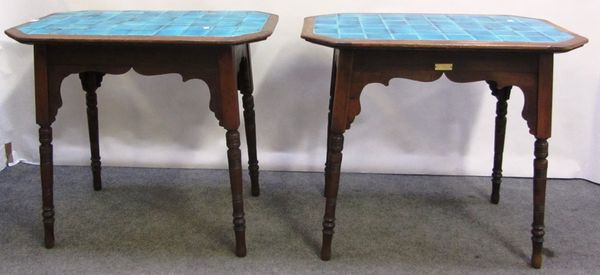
513 38
150 23
380 36
432 37
506 32
222 31
404 36
398 26
351 36
486 37
195 32
460 37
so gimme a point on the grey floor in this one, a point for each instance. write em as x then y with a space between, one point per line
179 221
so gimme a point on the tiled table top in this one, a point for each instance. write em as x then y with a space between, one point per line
149 23
438 27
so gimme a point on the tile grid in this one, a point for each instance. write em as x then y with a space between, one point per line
150 23
387 28
440 30
437 27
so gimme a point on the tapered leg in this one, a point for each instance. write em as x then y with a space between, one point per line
47 91
224 103
339 121
91 82
234 156
502 95
246 86
540 168
250 125
331 93
47 173
334 161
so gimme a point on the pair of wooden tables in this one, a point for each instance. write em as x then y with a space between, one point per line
505 51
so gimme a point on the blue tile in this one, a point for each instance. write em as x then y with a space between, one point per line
539 38
150 23
112 32
222 31
459 37
352 36
405 29
512 38
379 36
351 30
138 32
486 37
505 32
437 27
195 32
405 36
432 37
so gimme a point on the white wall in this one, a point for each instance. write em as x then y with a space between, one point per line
162 122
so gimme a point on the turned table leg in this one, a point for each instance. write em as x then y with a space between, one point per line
334 161
47 177
338 123
331 93
250 126
540 168
502 95
224 102
47 88
90 81
246 86
234 156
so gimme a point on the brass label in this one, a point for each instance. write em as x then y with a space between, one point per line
443 67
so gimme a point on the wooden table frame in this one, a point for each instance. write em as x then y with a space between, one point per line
223 63
529 66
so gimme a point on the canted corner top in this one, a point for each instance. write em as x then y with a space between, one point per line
174 27
443 31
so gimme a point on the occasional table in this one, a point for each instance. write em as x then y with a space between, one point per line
504 51
209 45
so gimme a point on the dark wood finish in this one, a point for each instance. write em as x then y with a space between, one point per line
529 68
45 86
540 168
502 96
331 93
234 155
267 30
308 34
8 153
335 143
246 86
334 156
223 63
91 81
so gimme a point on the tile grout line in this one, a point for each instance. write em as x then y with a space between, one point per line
387 28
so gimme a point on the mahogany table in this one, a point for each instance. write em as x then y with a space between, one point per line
505 51
209 45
